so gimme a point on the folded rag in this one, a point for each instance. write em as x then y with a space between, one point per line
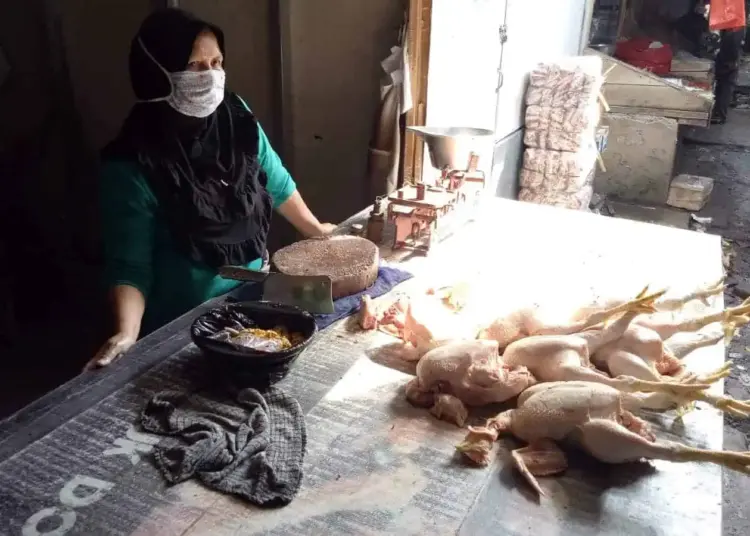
254 449
387 279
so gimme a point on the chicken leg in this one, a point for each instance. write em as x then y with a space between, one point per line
673 304
566 358
594 416
526 323
667 327
610 442
642 304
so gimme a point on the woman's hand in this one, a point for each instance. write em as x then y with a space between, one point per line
128 305
326 229
111 350
299 215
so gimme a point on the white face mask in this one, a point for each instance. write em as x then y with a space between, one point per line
193 93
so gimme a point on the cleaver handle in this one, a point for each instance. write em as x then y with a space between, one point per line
240 273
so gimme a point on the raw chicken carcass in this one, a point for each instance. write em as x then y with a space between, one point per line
464 373
388 317
424 322
473 373
593 416
430 324
641 353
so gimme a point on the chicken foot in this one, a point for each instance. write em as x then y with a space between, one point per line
674 304
731 317
659 401
643 304
727 404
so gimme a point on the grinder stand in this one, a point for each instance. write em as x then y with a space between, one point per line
417 210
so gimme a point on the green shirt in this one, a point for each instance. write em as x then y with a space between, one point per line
140 252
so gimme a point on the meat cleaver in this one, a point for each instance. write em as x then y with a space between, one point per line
312 293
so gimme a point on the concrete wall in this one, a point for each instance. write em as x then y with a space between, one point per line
639 158
24 97
334 49
250 73
97 42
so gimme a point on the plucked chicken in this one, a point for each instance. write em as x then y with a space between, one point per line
568 358
464 373
552 358
423 322
472 372
596 417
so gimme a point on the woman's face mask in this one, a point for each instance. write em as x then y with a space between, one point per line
194 93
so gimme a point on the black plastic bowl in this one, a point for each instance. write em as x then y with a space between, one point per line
253 366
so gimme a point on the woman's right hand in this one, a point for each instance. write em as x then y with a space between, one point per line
128 305
115 346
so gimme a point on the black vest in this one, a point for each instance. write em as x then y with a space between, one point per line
211 190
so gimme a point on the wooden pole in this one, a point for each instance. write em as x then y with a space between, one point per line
418 49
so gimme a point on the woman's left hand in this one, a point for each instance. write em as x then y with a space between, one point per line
326 229
296 212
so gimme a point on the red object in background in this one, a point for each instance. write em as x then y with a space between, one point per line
726 15
636 52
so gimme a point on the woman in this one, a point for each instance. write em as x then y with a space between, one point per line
188 185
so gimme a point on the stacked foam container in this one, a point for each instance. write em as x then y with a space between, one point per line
562 116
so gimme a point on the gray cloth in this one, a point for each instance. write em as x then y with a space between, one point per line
254 449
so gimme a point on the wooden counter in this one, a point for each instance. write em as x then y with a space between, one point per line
376 465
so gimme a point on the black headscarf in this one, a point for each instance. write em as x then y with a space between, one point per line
204 171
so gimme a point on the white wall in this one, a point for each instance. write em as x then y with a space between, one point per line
475 80
462 79
537 31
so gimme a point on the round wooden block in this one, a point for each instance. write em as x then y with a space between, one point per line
350 261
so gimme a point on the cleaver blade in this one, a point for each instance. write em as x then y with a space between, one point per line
313 293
